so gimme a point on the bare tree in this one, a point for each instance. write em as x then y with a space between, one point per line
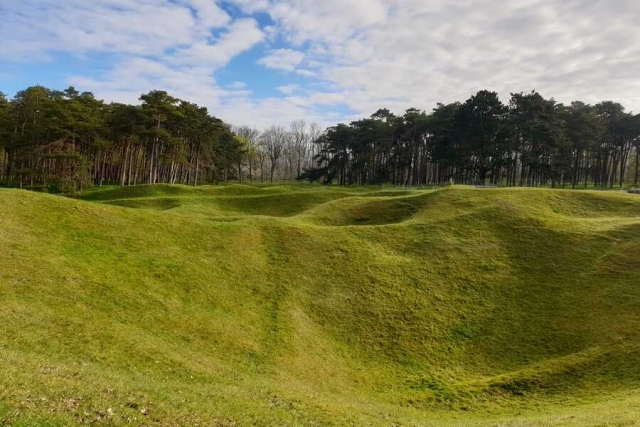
315 131
273 141
261 154
289 154
251 137
300 137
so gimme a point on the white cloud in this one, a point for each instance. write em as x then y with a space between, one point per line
363 54
404 53
262 113
77 26
282 59
146 44
209 13
305 73
241 35
288 89
331 20
237 86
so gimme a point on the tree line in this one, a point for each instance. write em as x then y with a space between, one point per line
531 141
67 140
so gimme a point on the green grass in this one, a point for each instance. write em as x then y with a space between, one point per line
304 305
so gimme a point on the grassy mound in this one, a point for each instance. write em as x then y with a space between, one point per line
305 305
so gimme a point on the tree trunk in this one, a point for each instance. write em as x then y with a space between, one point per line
575 170
635 179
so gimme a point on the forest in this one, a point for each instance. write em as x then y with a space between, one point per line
532 141
64 141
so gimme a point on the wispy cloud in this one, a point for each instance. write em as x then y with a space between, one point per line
282 59
288 89
346 55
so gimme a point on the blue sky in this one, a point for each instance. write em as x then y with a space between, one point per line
263 62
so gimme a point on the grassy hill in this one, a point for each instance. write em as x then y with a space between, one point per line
306 306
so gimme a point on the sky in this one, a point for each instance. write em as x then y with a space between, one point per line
263 62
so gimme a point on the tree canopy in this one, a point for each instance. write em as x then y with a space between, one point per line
66 140
531 141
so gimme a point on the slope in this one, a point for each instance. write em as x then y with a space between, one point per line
304 305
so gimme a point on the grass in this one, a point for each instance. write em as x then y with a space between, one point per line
307 305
